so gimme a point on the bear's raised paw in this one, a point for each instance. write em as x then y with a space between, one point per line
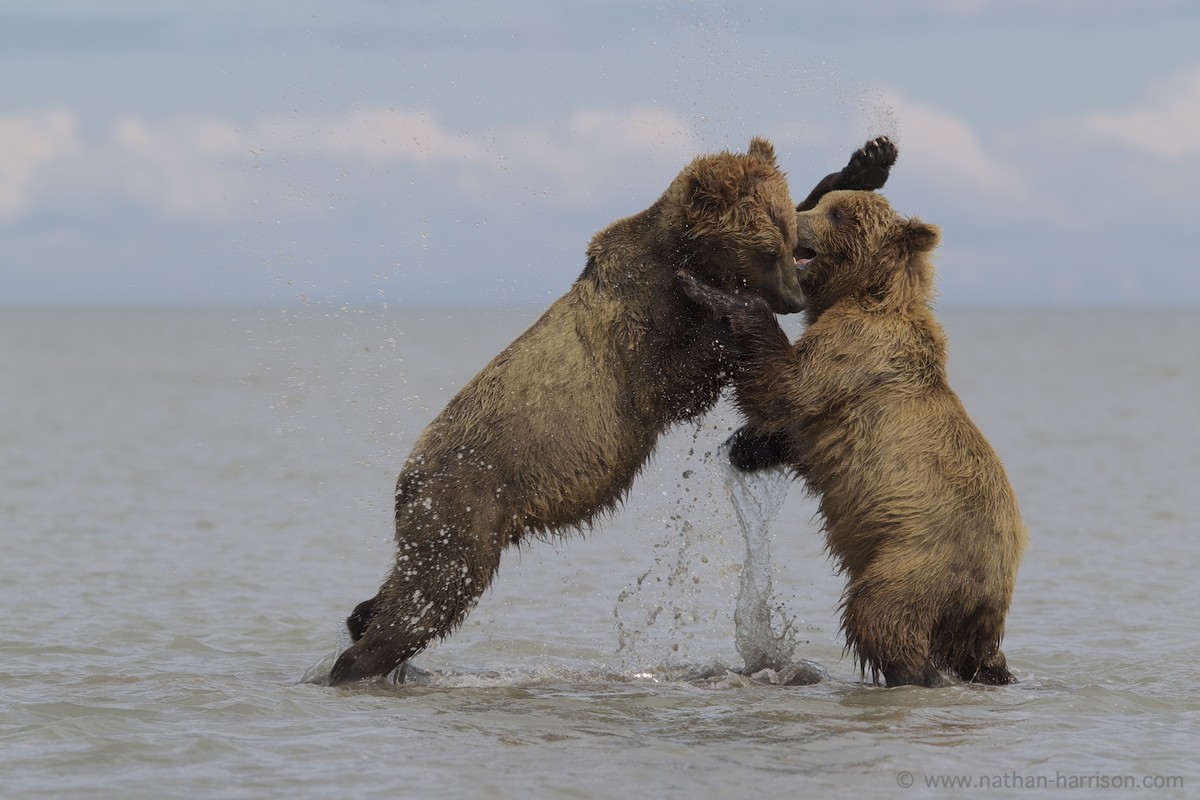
867 170
870 164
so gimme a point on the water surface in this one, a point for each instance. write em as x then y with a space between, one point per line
194 500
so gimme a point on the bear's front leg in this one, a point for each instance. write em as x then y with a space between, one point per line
867 170
721 304
751 321
752 449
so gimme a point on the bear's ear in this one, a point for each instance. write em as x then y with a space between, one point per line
761 148
712 188
920 237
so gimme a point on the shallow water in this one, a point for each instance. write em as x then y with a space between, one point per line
193 501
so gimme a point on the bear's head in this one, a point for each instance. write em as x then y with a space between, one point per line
854 245
739 224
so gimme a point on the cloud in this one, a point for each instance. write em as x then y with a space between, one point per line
1166 126
206 168
182 165
29 143
372 135
945 151
599 149
574 161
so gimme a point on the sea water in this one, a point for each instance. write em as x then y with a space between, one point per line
194 501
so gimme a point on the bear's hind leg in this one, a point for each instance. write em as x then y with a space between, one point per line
360 618
926 675
418 603
993 671
888 632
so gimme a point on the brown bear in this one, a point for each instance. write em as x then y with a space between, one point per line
917 508
553 431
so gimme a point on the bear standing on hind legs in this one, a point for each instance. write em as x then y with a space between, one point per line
553 431
917 508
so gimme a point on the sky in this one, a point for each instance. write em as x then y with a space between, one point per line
408 154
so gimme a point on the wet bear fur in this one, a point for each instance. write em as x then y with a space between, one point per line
917 508
553 431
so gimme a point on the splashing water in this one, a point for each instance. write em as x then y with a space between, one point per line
757 498
667 618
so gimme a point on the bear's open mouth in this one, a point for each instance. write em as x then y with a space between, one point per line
804 255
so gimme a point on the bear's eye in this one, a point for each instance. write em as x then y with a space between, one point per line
835 216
